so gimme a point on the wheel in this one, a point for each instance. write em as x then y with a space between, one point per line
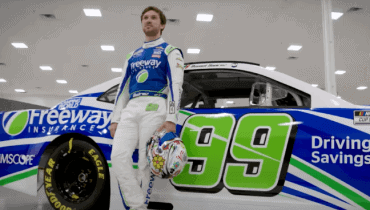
76 176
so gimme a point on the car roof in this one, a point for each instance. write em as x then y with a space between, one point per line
319 98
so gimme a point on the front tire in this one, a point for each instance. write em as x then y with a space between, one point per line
76 177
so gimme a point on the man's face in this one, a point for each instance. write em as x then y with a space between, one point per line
151 23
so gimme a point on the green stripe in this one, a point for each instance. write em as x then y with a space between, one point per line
333 184
133 166
18 177
185 113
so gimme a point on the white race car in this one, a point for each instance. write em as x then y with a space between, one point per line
255 139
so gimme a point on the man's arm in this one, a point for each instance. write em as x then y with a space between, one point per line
122 97
175 78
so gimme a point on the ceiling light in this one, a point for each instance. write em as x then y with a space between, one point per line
46 68
271 68
2 80
294 47
116 69
19 45
194 51
315 85
19 90
362 88
340 72
230 102
204 17
61 81
107 48
92 12
73 91
336 15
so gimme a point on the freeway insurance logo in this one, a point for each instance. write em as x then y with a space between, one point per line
15 122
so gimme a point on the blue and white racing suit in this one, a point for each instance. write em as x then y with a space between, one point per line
148 95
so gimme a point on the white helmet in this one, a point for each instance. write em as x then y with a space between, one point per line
166 155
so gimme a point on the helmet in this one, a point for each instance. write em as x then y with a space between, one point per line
166 154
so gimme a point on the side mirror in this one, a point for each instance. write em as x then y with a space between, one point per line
258 94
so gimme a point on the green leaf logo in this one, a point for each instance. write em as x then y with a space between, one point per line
142 76
15 122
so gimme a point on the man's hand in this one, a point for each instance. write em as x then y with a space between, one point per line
112 129
169 126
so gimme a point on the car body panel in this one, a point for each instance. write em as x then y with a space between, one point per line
307 175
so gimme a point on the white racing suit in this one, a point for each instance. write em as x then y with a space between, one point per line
148 95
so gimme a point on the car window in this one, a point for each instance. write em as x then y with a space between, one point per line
109 96
232 89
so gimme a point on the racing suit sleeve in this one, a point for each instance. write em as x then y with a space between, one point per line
123 95
175 79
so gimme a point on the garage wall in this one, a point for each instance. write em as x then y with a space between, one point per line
10 105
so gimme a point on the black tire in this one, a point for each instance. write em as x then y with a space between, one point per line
76 177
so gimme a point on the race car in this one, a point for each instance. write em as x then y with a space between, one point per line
255 139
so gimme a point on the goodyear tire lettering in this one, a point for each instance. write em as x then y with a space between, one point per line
47 182
98 163
53 199
54 171
57 204
51 163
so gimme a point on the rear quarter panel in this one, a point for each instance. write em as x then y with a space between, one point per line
311 175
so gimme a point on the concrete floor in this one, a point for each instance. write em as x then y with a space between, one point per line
14 200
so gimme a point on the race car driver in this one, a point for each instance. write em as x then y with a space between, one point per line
148 99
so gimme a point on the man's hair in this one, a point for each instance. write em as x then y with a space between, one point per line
161 15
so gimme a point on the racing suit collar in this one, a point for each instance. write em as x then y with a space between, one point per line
153 43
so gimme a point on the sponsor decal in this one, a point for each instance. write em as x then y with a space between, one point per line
234 65
156 56
152 107
142 76
187 66
139 94
216 65
16 159
361 117
160 48
138 53
149 191
235 165
211 65
152 63
333 145
179 59
70 103
49 121
15 122
157 51
198 66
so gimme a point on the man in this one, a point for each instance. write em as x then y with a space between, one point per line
148 99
